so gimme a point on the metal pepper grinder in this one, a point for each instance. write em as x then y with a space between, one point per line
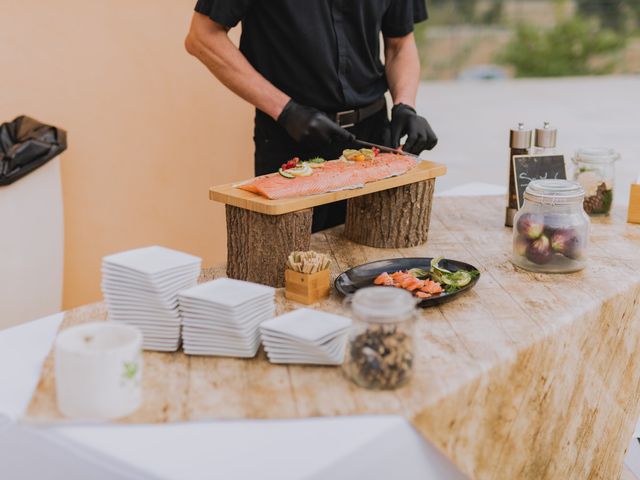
545 141
519 144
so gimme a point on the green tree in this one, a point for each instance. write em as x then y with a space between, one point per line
613 14
570 48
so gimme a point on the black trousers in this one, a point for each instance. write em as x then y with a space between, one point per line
274 147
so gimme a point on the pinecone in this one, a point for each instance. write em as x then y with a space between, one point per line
595 203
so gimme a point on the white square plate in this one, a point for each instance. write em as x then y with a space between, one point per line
213 337
308 325
152 260
248 333
145 319
160 336
171 330
167 275
240 323
165 278
276 339
258 316
117 294
201 306
227 292
143 311
222 330
170 290
219 352
294 349
263 306
161 342
244 347
303 361
161 348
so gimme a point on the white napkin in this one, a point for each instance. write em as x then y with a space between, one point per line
22 351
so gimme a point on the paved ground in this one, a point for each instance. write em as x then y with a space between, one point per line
472 120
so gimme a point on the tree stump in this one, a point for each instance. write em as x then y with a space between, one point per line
394 218
258 245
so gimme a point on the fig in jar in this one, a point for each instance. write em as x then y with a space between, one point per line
539 251
530 225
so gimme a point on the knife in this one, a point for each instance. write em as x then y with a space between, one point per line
382 148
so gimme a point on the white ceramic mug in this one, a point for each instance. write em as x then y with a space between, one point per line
99 370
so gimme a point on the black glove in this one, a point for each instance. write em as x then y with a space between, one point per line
405 121
310 126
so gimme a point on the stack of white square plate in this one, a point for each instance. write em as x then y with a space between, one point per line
141 288
306 336
223 317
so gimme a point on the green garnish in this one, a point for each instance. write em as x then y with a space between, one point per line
419 273
451 281
316 160
454 286
435 265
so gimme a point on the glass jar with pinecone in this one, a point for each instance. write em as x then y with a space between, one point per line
595 171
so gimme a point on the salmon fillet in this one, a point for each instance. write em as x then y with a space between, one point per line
333 175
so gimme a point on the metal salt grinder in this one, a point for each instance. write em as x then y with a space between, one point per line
545 141
519 144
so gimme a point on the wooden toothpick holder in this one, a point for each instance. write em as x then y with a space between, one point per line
634 204
306 288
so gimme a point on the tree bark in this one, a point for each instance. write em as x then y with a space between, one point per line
258 245
394 218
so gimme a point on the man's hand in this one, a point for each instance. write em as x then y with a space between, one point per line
402 67
405 121
310 126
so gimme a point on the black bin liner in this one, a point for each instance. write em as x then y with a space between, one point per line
25 145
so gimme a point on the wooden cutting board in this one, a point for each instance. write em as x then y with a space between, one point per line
231 195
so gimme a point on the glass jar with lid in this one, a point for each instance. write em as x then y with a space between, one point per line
551 229
380 352
594 169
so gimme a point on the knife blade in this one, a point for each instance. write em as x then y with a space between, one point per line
382 148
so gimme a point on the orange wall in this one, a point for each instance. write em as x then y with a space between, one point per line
149 128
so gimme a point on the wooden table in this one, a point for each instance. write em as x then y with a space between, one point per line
528 376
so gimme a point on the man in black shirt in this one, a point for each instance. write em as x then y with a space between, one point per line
312 69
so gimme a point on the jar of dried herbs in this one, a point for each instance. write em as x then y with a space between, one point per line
595 171
380 354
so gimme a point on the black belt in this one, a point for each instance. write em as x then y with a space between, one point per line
350 118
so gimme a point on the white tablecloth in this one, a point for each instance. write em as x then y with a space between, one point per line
369 447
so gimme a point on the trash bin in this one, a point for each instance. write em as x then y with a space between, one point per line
31 220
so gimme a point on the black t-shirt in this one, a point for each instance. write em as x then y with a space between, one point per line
322 53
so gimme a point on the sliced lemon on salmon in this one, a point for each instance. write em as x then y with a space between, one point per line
301 171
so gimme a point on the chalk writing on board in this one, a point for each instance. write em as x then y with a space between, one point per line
536 167
526 179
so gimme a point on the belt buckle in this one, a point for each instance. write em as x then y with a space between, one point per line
339 116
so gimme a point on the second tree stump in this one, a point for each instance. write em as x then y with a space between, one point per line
394 218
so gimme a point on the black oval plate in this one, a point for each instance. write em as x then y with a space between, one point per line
363 276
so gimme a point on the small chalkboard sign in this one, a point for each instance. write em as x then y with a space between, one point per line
534 167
